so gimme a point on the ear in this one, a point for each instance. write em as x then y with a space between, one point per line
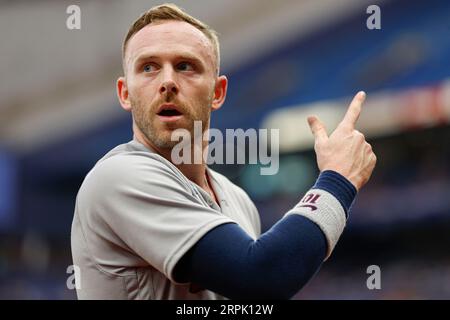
220 92
122 93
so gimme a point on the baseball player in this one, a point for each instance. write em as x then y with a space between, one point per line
147 228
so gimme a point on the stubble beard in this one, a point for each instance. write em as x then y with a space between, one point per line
144 117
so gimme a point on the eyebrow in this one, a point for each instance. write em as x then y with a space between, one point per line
179 56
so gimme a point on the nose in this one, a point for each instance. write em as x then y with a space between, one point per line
168 86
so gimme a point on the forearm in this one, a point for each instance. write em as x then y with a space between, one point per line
278 264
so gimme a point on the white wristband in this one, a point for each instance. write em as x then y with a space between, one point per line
326 211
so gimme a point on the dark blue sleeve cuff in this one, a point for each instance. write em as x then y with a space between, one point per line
338 186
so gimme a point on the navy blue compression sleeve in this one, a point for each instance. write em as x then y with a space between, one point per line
275 266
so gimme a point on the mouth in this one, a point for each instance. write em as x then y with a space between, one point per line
169 112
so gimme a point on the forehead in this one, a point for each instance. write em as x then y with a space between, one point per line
169 37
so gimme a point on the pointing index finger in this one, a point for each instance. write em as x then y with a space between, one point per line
354 110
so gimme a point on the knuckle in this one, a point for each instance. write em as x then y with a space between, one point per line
359 134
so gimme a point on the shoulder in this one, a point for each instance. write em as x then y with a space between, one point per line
131 172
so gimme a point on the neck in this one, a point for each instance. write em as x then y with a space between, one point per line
194 172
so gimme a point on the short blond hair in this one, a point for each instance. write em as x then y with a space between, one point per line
170 11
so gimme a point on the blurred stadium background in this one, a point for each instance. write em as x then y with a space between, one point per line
285 59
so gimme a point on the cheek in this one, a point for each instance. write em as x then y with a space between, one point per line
142 88
204 93
144 91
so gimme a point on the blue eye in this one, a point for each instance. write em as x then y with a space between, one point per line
185 66
148 68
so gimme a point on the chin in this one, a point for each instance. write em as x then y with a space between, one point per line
165 144
163 141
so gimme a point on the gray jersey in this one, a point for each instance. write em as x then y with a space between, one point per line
136 215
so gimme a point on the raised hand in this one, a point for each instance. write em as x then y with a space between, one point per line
346 150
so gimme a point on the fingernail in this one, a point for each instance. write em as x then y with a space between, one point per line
362 94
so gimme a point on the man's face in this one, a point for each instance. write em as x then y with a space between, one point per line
170 79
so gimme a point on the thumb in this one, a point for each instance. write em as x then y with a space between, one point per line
317 128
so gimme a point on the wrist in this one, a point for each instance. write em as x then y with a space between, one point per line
339 186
